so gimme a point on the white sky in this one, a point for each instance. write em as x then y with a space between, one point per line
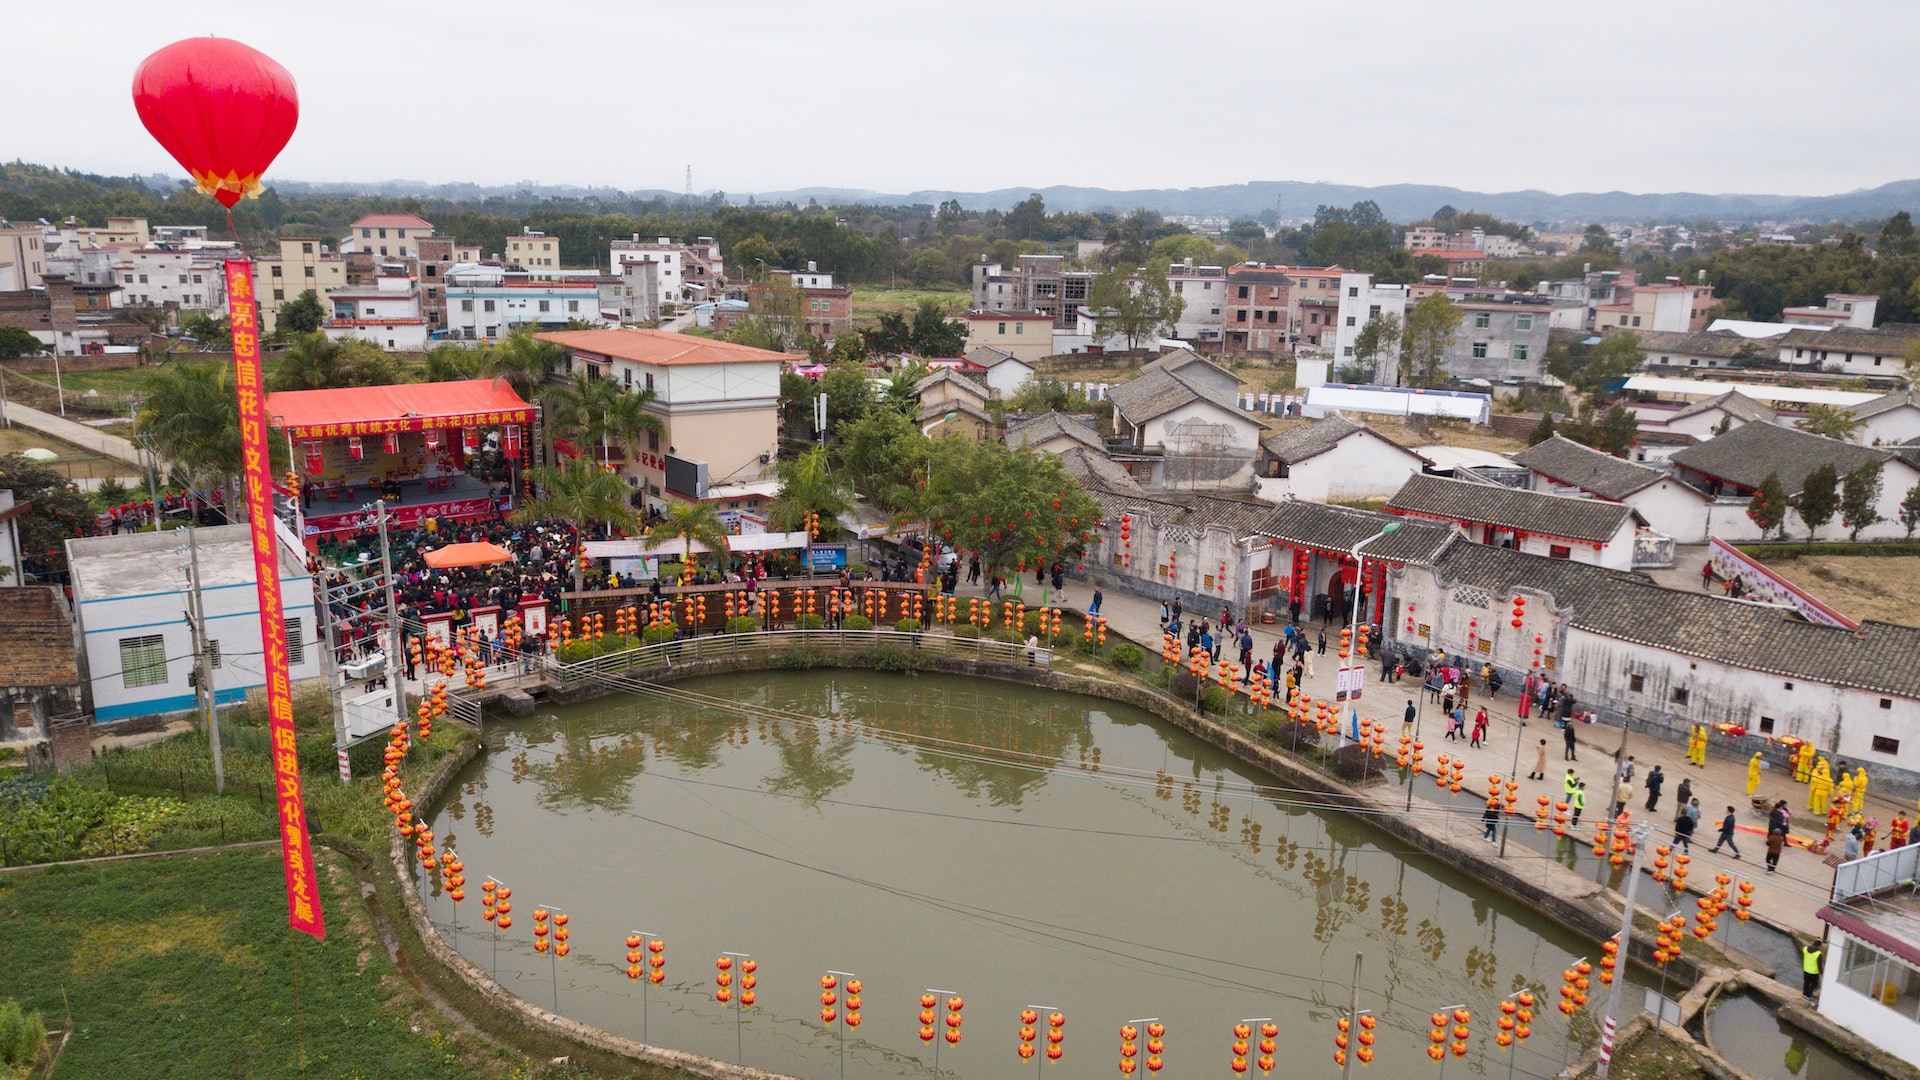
1764 96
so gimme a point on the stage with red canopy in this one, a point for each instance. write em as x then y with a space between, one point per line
445 450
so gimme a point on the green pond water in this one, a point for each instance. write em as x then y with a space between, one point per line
1016 846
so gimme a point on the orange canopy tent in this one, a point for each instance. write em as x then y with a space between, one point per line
480 554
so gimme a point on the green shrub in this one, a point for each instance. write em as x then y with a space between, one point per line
798 658
966 630
890 657
810 622
742 624
1218 700
1771 552
658 634
1127 657
575 651
22 1035
908 626
856 622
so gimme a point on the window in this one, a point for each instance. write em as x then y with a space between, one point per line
183 279
1523 322
1623 320
466 305
1373 312
1482 320
143 278
1243 292
1351 320
1479 350
1679 695
383 236
653 441
1636 320
626 377
306 249
1179 286
279 294
1786 686
366 234
1519 352
650 386
1766 725
1240 316
143 661
276 272
573 305
1884 745
545 304
1019 328
309 270
296 647
197 281
1559 551
486 305
1353 290
1886 703
1636 683
1003 329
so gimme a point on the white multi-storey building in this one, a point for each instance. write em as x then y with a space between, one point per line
485 303
187 280
1204 289
1361 302
387 314
394 236
688 272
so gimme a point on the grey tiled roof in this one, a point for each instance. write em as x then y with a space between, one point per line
986 356
1721 343
1156 393
1175 359
946 374
1846 339
965 408
1091 469
1733 403
1509 508
1183 518
1588 469
1883 403
1629 607
1338 528
1745 456
1051 424
1302 441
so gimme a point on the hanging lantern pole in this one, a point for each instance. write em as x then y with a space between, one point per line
848 1015
1443 1021
1353 1001
1514 1024
1626 936
644 964
499 912
739 1003
929 998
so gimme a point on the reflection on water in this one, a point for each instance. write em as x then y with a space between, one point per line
1750 1036
1018 846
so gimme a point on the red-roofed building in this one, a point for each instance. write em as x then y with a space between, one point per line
719 402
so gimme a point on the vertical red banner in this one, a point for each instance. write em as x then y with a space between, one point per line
296 850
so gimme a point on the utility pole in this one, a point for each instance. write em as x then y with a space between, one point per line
1507 825
395 672
1353 1018
202 667
1626 952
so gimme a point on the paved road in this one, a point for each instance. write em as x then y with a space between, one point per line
1790 897
80 435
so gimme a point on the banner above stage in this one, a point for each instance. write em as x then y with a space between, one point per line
378 410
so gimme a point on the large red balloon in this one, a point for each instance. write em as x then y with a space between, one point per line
222 109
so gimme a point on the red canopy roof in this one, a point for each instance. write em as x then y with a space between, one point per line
475 554
372 410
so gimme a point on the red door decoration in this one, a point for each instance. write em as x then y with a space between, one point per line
433 438
472 439
316 459
391 444
354 449
513 442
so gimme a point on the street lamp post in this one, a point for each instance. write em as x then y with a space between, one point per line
1345 678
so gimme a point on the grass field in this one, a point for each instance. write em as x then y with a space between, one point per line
870 301
185 967
74 462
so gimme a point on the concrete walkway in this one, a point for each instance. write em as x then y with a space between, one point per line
80 435
1789 897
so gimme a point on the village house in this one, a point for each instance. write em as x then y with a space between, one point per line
1056 433
1583 530
1209 552
486 303
1500 340
386 236
1846 350
1839 309
1203 289
1002 372
387 314
303 264
1313 568
1193 436
535 252
1730 467
1667 350
1560 466
1333 458
1025 335
1361 302
1259 308
1039 283
952 404
1870 980
719 404
1888 420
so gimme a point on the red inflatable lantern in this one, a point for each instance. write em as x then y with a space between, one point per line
222 109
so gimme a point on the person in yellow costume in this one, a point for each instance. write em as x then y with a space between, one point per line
1860 787
1843 790
1819 788
1803 763
1697 745
1753 774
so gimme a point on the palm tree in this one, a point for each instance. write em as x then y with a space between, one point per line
808 485
191 414
587 410
317 362
452 363
579 492
695 523
624 419
524 361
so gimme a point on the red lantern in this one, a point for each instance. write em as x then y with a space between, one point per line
391 442
433 438
355 450
316 459
512 442
472 439
222 109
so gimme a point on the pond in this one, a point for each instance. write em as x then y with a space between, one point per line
1016 846
1747 1033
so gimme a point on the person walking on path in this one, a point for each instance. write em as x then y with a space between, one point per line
1655 780
1726 836
1685 793
1810 956
1539 762
1579 802
1322 635
1777 823
1407 718
1176 609
1490 817
1246 653
993 590
1566 731
1622 795
1572 783
1480 722
1683 825
1094 608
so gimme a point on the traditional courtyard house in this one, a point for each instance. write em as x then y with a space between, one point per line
1703 420
1002 371
1669 350
1847 350
1333 458
1200 438
1207 551
1731 467
1313 565
952 404
1056 433
1888 420
1560 466
1584 530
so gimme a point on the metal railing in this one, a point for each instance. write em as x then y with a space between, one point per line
1880 870
826 643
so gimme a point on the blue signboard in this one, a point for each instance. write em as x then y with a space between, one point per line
829 556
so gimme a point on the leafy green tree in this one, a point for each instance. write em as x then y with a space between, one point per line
1542 431
1430 329
1897 236
849 395
16 343
317 362
695 523
1175 250
453 363
808 484
1819 498
213 333
1017 508
1768 506
1910 510
1612 432
524 361
1135 307
1829 421
899 393
879 452
1860 499
1616 357
191 413
1040 395
1596 241
930 268
796 404
59 510
588 411
1027 220
301 315
1378 339
933 334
